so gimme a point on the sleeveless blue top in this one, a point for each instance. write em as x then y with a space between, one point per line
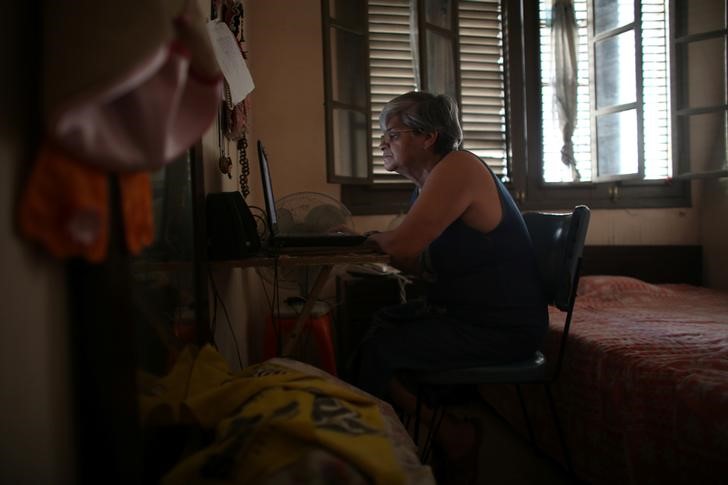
489 278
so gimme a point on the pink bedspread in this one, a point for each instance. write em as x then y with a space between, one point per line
643 394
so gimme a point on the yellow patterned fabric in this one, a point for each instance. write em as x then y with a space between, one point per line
265 418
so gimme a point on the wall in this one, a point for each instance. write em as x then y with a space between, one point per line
36 441
714 231
285 59
35 408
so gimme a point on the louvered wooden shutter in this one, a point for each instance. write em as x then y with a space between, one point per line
482 89
656 90
391 68
482 81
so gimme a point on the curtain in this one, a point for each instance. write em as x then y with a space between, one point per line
563 39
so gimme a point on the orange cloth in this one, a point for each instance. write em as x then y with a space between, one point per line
136 205
65 207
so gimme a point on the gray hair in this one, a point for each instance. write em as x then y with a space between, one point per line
425 113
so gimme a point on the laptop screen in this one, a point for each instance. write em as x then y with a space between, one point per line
270 202
309 239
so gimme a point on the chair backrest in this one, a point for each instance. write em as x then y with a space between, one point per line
558 240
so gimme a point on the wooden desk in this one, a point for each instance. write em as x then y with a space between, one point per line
327 258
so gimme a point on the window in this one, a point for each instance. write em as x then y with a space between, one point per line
622 139
622 128
494 57
346 90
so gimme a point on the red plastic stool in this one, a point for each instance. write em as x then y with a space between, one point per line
317 326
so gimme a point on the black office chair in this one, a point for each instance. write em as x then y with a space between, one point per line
558 241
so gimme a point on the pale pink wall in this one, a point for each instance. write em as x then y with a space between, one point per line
714 232
286 61
36 419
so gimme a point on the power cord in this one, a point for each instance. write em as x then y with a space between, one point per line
380 270
261 223
272 301
227 317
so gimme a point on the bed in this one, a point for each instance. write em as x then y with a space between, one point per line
643 394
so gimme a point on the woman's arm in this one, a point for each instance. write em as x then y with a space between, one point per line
453 186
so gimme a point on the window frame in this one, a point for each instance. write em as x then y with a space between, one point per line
683 110
523 105
596 113
330 104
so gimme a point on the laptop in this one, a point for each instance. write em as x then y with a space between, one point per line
297 240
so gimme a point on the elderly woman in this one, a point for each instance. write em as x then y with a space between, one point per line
465 235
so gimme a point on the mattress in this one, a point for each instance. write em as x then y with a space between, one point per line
643 391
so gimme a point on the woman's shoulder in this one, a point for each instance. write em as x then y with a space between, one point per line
466 163
463 157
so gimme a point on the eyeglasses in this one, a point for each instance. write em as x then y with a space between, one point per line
392 135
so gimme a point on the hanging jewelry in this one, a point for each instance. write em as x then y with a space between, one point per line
242 147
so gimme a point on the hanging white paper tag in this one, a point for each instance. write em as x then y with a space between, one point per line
231 61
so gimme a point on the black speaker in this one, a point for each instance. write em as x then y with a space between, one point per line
231 229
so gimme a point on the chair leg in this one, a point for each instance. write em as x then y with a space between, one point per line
438 413
418 409
529 428
559 430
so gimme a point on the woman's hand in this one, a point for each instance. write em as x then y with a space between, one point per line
382 240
